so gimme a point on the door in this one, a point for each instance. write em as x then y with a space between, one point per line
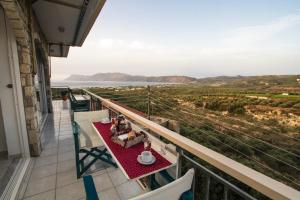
41 87
14 160
3 146
8 104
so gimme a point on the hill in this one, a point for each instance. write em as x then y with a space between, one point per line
240 81
127 77
267 80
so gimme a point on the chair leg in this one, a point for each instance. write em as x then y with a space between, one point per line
100 156
84 169
77 161
153 183
166 176
103 151
97 154
77 168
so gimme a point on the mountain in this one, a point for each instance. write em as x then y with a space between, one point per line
266 80
127 77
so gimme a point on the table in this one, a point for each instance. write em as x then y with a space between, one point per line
126 159
82 97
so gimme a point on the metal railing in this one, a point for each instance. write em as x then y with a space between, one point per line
264 185
96 105
227 186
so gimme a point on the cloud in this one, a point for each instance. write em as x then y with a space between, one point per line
120 45
252 34
237 42
258 39
136 45
247 49
107 42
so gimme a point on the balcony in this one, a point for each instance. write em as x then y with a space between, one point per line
33 30
53 175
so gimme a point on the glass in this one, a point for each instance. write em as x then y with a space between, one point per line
163 149
113 120
147 145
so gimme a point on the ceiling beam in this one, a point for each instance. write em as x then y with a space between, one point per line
80 19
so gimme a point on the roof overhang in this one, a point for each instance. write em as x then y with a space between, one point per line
58 50
66 22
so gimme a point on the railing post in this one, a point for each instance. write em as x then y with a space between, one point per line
207 187
225 192
194 185
91 103
98 104
149 102
179 163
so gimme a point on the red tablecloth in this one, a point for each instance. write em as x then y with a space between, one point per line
128 157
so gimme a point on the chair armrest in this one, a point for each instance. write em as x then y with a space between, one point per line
173 190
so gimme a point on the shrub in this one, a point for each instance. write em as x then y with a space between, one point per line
244 149
236 108
213 104
198 102
287 104
296 106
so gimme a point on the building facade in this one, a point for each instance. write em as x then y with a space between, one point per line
32 50
30 33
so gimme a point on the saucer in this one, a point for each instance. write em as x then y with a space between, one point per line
139 159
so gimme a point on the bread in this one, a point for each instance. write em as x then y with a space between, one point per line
131 135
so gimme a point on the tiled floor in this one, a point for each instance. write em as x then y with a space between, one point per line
54 175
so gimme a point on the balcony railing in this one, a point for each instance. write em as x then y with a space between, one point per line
191 152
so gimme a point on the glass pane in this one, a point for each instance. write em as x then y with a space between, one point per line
8 164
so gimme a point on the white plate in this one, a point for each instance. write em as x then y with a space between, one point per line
139 159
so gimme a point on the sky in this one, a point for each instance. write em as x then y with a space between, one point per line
198 38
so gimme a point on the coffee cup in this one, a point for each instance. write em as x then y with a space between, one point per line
146 156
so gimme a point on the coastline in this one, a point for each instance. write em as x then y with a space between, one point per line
105 84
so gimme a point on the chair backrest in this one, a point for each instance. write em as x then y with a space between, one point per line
171 191
87 135
92 116
72 98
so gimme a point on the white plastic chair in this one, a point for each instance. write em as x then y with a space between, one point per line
171 191
88 137
87 142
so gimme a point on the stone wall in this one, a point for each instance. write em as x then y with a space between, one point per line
27 33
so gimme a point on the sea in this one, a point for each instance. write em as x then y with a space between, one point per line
103 84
